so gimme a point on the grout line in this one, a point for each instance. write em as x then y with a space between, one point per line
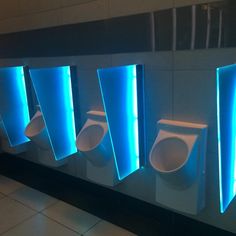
174 29
193 33
27 206
92 227
60 223
152 36
220 28
208 26
26 219
31 13
50 205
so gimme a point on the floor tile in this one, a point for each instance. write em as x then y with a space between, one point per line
12 213
105 228
72 217
33 198
8 186
41 226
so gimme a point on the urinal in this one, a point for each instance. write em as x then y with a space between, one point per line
36 131
178 159
94 143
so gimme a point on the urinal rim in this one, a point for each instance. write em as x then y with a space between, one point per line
27 127
178 168
105 130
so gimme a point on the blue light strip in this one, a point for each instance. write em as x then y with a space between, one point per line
54 93
13 104
226 124
233 145
219 139
119 93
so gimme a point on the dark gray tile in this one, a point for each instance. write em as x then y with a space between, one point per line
164 30
183 27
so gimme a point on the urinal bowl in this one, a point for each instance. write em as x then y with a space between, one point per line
177 151
37 132
92 141
175 159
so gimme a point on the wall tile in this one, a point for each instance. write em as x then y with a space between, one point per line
13 24
201 27
9 9
89 92
158 99
48 61
195 101
43 19
65 3
180 3
129 7
158 61
91 11
183 28
26 7
164 31
48 5
125 36
93 61
204 59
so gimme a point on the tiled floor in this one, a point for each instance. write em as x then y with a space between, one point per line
25 212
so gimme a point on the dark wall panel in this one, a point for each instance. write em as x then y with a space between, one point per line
116 35
164 30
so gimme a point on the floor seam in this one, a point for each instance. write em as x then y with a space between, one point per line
24 204
65 226
28 218
91 227
50 205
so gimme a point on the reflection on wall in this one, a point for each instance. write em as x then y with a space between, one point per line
119 88
226 114
54 93
13 104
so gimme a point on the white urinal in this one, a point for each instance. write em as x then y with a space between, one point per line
93 141
178 157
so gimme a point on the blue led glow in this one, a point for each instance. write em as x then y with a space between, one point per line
13 104
119 93
54 93
226 124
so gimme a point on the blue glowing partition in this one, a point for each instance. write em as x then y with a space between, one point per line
14 104
54 94
119 87
226 121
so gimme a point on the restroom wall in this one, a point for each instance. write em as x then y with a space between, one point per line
178 85
20 15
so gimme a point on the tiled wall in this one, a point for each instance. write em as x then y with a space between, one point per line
18 15
178 85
